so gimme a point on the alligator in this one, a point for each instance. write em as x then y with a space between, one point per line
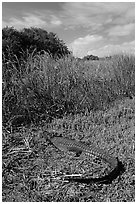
67 145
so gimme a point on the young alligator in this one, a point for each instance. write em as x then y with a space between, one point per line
64 144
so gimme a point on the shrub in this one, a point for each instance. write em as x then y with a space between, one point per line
16 43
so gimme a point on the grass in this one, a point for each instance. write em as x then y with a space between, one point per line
32 168
44 89
92 102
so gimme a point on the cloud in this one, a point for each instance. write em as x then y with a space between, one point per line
108 27
55 21
122 30
92 16
81 46
35 19
29 20
110 24
111 49
87 14
99 45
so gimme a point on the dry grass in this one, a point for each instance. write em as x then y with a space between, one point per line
44 89
92 102
32 167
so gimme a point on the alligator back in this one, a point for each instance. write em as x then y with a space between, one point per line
72 145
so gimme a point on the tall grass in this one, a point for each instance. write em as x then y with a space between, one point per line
43 89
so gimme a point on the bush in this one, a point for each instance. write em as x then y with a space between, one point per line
11 43
16 43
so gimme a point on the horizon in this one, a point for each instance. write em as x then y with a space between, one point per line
87 28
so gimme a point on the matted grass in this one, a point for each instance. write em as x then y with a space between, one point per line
32 167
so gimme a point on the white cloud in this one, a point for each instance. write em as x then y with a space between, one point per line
33 20
100 46
109 24
90 14
29 20
122 30
110 49
126 17
81 46
55 21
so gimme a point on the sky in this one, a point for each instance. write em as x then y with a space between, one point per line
87 28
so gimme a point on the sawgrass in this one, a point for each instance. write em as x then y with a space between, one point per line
32 168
